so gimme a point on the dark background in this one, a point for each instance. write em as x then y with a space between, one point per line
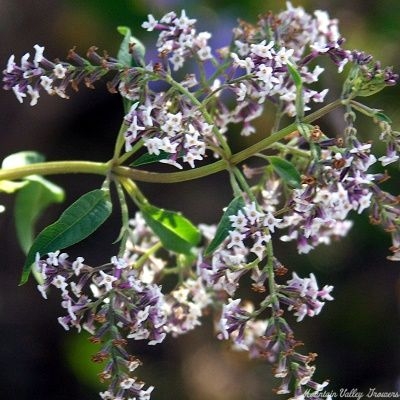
356 336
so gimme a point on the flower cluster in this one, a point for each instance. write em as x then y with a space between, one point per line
303 296
246 243
179 134
120 306
272 338
31 77
178 39
304 189
119 301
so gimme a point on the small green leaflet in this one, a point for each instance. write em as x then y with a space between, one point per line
286 171
30 203
130 54
224 225
176 233
150 158
22 158
34 195
295 74
11 186
131 51
76 223
380 116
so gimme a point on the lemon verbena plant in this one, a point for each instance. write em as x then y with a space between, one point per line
182 108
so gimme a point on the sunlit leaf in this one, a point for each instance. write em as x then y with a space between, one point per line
225 225
76 223
176 232
22 158
150 158
131 54
286 171
30 202
11 186
131 51
380 116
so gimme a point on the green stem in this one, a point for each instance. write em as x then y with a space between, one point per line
134 193
55 168
149 252
137 146
277 136
90 167
120 141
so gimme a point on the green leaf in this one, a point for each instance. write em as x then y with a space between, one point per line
22 158
225 225
131 54
34 195
286 171
131 51
30 202
380 116
295 74
76 223
10 186
150 158
176 233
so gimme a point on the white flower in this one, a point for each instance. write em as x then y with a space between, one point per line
77 265
59 71
204 53
107 280
150 24
18 93
46 83
262 50
127 383
34 93
283 55
119 262
154 145
10 64
38 55
60 282
236 239
239 221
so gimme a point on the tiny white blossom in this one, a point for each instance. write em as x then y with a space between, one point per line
46 83
60 282
34 93
107 280
10 64
38 55
150 24
19 94
127 383
59 71
77 265
119 262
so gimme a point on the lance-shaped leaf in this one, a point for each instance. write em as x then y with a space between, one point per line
34 195
131 51
176 233
76 223
150 158
130 54
286 171
225 225
30 202
295 74
22 158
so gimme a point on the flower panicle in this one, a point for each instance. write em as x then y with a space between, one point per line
30 77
